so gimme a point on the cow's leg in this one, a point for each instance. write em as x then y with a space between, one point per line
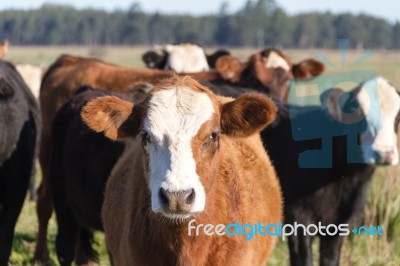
300 250
14 180
32 183
330 250
85 254
10 209
8 219
44 206
67 234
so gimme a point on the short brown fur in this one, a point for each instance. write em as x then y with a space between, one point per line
239 180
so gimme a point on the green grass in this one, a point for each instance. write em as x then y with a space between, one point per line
25 239
383 206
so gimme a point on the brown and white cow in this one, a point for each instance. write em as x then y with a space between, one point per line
186 58
268 71
182 58
62 80
190 155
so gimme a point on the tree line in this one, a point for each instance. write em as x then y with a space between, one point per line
258 23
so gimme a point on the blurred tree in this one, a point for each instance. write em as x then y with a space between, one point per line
306 31
279 31
225 30
326 35
257 23
350 28
396 36
134 29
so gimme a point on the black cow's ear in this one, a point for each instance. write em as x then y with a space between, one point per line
6 91
153 59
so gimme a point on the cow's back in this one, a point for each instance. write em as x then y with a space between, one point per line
17 106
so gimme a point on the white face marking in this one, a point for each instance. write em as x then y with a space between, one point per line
274 60
383 142
174 117
186 58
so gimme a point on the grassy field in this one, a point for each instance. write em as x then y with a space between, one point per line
383 206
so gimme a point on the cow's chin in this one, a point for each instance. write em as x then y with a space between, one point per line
378 158
177 217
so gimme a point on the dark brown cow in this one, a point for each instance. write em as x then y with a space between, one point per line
268 71
191 159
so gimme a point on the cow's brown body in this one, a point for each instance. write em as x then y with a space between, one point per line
238 179
246 190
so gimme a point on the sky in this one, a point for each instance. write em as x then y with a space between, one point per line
388 9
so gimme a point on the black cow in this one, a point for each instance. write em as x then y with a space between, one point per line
333 194
19 136
80 167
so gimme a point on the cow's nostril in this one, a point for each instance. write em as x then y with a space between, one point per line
177 201
190 197
377 156
163 196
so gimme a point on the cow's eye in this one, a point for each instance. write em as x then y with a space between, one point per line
145 137
214 136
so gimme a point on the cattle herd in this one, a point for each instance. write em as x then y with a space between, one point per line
139 152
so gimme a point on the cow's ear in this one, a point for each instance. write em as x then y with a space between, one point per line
335 100
308 68
116 118
151 59
248 114
6 91
230 68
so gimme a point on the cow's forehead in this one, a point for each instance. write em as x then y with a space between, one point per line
177 113
389 99
274 60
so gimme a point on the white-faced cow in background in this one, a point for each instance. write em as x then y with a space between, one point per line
182 58
336 194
